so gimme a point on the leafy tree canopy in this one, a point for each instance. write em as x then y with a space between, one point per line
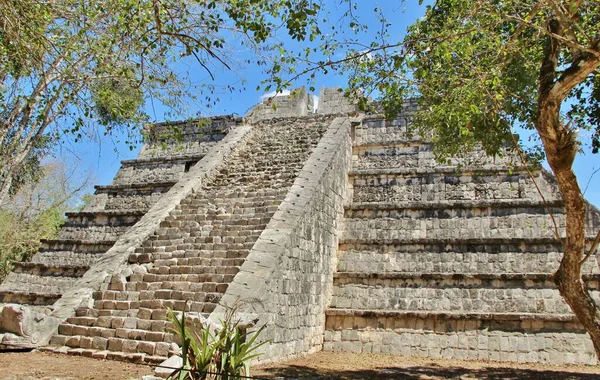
80 67
478 70
37 211
474 66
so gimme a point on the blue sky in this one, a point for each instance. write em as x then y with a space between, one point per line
102 157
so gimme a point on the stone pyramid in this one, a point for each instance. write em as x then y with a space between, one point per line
338 232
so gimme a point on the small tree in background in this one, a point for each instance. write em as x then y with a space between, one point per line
37 212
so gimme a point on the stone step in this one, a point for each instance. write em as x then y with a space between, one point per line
194 269
179 246
198 262
211 218
515 337
116 344
147 255
447 292
229 207
198 280
435 185
215 242
204 302
469 256
131 357
226 196
216 233
28 298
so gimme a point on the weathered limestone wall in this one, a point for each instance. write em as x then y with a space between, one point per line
333 102
451 261
461 337
447 256
286 280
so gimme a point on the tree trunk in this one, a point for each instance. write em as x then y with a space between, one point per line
559 144
568 277
4 189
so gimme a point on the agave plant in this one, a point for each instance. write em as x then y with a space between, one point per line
220 355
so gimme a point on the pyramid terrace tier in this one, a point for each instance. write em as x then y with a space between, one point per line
31 298
154 170
515 337
535 255
420 154
39 284
447 184
134 196
98 225
88 246
68 257
447 292
137 187
523 224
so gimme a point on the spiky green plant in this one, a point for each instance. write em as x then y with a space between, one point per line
222 355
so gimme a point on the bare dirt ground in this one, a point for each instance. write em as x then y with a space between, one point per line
321 366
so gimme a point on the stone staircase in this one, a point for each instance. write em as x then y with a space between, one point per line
190 260
88 234
448 261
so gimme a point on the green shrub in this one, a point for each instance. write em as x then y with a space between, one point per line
220 355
